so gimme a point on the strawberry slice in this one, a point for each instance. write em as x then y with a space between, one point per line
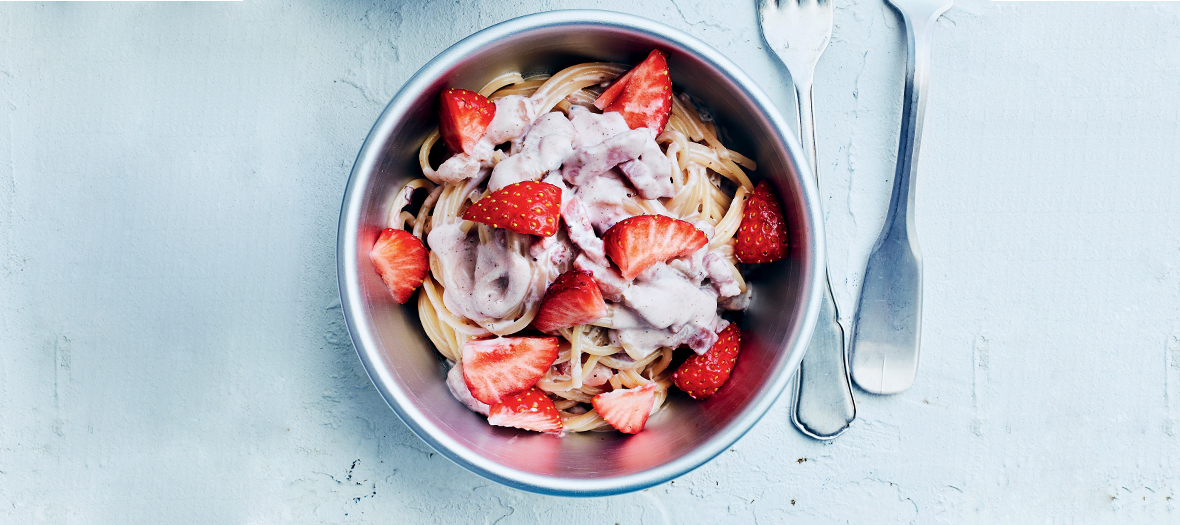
626 409
525 207
636 243
643 95
701 375
497 368
463 118
573 299
530 410
762 236
401 261
612 93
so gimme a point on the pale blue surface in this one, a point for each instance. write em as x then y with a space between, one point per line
171 343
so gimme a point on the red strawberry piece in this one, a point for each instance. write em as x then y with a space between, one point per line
463 118
643 96
497 368
626 409
701 375
530 410
762 236
573 299
401 261
616 88
636 243
525 207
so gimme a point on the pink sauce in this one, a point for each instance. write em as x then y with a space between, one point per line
458 388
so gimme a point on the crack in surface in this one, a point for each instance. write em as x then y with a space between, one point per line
705 23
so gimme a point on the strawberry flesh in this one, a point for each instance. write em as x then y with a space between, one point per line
636 243
643 95
497 368
626 409
762 235
463 117
529 410
573 299
401 261
701 375
530 207
612 93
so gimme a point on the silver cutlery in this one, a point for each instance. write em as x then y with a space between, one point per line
798 32
888 324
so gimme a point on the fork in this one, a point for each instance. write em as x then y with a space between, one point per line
798 32
888 325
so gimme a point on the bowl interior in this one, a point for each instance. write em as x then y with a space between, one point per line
409 372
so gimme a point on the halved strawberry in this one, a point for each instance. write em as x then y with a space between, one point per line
401 261
762 236
525 207
643 95
530 410
573 299
701 375
636 243
626 409
497 368
463 117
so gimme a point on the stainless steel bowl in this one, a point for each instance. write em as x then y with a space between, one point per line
409 373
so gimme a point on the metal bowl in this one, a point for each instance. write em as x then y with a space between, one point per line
410 374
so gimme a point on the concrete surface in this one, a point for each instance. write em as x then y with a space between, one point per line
172 347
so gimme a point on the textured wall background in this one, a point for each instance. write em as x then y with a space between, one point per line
171 341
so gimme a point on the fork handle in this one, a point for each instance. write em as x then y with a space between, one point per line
823 406
803 95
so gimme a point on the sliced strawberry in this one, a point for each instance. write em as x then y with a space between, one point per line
616 88
401 261
636 243
525 207
643 96
626 409
762 236
497 368
701 375
530 410
573 299
463 118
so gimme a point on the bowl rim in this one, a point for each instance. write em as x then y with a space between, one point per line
362 335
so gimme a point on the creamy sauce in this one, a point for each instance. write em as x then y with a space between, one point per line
593 128
650 172
514 115
457 168
484 281
545 147
665 306
721 276
591 161
458 388
666 298
602 197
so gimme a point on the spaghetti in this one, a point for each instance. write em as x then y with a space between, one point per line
709 187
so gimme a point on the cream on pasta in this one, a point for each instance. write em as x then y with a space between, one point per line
485 281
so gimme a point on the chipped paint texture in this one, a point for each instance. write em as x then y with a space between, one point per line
171 344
